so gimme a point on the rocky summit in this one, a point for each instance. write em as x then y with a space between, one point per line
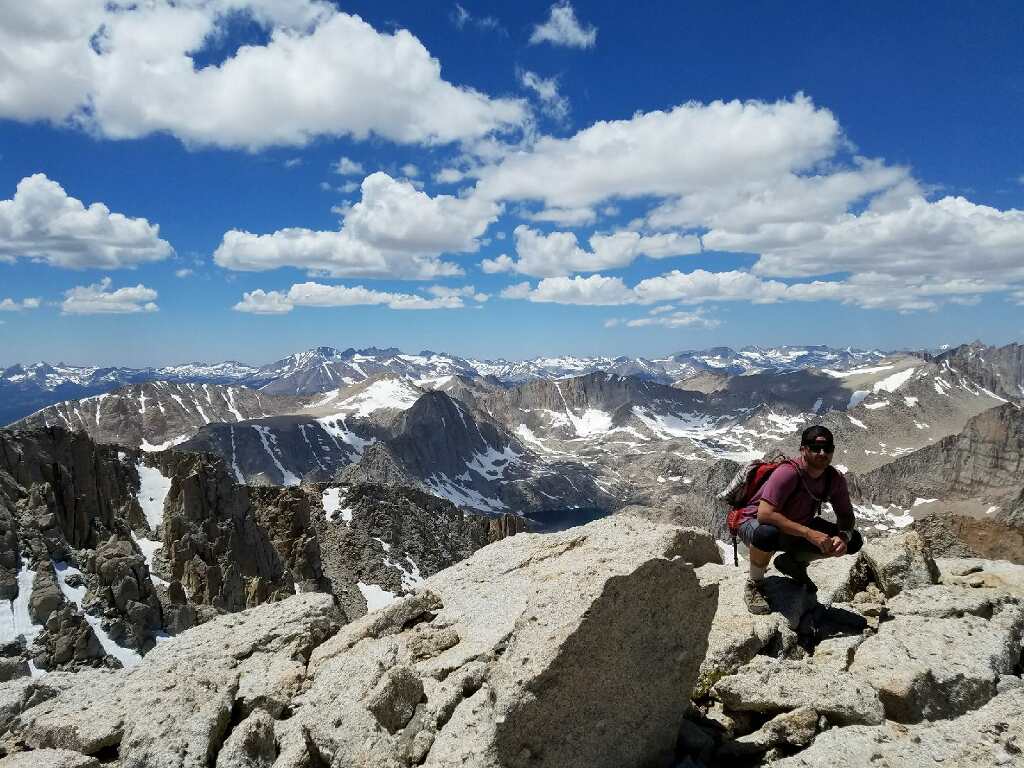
619 643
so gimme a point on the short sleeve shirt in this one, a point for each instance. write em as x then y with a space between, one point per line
784 490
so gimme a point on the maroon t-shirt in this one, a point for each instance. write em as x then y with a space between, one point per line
784 491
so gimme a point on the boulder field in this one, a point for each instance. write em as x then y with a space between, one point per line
615 644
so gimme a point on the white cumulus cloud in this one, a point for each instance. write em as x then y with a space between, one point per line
347 167
394 231
771 179
99 299
563 217
563 28
128 70
312 294
43 223
465 291
676 319
592 290
13 305
260 302
691 148
951 237
867 290
559 253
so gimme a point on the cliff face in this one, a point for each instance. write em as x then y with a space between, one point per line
984 462
89 484
451 450
998 369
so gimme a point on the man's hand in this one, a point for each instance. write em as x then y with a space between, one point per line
822 541
838 546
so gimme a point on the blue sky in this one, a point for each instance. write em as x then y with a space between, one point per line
506 180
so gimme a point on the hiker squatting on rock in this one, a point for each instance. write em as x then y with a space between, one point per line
784 515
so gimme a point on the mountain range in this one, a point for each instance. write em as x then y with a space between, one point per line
594 440
29 387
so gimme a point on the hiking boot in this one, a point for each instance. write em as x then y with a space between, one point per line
788 565
754 598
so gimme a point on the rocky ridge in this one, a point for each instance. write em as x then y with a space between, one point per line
159 414
104 553
999 369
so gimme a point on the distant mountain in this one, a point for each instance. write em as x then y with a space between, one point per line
324 368
460 454
378 435
26 389
998 369
158 414
900 407
670 369
964 494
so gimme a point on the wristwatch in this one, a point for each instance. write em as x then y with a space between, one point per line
845 536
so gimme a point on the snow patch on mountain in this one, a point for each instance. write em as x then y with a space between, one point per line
127 656
15 619
269 440
375 596
493 463
857 398
336 427
153 489
665 426
893 382
332 502
390 393
856 371
461 494
883 518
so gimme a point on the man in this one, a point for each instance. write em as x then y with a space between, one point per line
784 516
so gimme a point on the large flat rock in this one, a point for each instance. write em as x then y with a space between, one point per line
930 668
771 686
579 648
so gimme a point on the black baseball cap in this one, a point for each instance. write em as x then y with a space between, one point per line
817 435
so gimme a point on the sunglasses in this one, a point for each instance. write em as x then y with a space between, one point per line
820 448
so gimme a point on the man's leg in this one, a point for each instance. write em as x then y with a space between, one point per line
756 536
797 552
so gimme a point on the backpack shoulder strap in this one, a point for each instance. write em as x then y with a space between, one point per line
830 474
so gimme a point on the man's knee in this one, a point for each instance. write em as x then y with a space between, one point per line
765 538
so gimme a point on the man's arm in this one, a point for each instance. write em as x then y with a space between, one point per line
767 514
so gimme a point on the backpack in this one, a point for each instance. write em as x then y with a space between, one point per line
748 481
